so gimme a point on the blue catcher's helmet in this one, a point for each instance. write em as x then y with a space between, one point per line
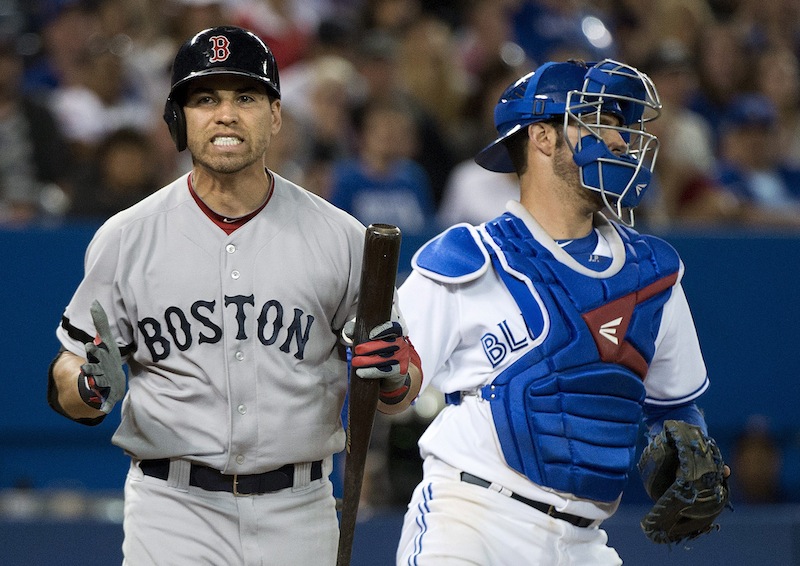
226 50
536 97
579 93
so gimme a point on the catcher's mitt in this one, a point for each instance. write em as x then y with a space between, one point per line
683 473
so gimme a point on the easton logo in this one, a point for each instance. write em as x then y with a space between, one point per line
609 330
639 188
220 48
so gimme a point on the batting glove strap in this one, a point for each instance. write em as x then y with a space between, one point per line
394 396
90 392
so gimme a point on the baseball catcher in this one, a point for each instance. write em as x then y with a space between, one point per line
554 330
683 472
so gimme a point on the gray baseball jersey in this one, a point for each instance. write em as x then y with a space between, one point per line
231 340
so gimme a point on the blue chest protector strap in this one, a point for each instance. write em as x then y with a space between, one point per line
529 308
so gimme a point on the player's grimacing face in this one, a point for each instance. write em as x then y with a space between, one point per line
229 122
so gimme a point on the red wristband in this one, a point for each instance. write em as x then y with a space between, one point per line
396 395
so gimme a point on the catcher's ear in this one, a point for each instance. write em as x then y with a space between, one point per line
176 122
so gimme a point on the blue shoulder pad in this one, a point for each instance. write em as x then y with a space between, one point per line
666 256
457 255
662 252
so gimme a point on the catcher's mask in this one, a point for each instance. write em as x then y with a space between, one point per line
620 179
579 93
224 50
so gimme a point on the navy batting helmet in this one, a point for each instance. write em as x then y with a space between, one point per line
225 50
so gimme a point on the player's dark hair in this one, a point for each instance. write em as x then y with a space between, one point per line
517 145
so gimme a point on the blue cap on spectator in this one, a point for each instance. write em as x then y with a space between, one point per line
751 109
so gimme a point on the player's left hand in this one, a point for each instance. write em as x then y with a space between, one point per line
683 472
102 380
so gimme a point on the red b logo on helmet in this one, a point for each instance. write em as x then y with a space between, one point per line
220 48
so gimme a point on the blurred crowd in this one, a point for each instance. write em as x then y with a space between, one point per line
386 101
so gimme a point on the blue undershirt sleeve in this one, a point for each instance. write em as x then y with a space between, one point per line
654 417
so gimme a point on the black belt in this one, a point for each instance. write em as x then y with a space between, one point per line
251 484
582 522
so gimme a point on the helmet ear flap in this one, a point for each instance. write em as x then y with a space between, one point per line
176 122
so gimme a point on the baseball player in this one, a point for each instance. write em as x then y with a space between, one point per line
225 293
552 329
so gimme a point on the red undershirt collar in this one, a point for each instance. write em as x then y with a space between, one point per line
229 225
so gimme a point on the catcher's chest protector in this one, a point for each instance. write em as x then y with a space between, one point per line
568 412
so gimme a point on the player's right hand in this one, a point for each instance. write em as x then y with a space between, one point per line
101 381
386 355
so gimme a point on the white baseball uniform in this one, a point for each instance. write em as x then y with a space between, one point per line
467 325
234 363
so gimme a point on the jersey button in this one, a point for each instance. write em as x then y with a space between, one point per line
240 459
230 248
242 409
239 356
235 274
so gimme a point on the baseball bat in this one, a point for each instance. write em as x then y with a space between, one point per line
376 292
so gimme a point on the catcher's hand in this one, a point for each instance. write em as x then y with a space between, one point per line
684 474
101 382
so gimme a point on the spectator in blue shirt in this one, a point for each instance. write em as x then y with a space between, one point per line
382 184
751 169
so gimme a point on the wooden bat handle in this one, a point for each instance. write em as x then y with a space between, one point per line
376 292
